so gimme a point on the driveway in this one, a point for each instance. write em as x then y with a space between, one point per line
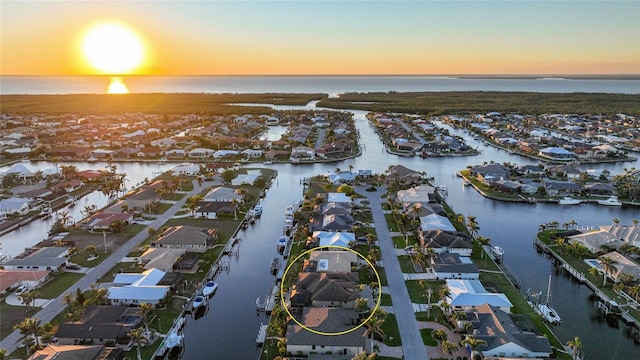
412 345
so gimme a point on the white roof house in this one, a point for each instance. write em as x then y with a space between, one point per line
341 239
138 288
436 222
248 178
14 205
338 198
470 294
222 194
22 170
186 169
224 153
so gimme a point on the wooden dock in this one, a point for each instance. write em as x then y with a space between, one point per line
262 334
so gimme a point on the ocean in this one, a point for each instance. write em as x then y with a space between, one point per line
332 85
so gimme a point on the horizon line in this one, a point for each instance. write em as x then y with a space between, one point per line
551 75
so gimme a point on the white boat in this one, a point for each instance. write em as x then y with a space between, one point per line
257 210
288 212
612 201
209 288
547 312
267 162
282 242
465 182
198 301
173 340
568 200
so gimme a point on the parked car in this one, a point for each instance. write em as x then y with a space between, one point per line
21 289
72 266
410 250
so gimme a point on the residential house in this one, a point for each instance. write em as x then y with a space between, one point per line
48 258
600 189
334 261
137 288
160 258
186 169
303 152
502 336
622 267
444 242
335 223
101 325
416 194
452 266
15 206
572 170
213 210
325 289
331 238
14 278
222 194
436 222
325 320
76 352
342 177
333 197
246 179
561 188
103 220
189 238
556 153
490 173
466 295
403 175
200 153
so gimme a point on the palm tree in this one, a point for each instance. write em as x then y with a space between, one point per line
449 347
69 300
608 265
575 345
439 335
139 338
192 203
3 353
91 250
29 327
29 297
374 327
144 310
472 225
473 343
482 241
634 291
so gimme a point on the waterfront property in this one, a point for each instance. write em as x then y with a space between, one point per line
84 352
468 294
107 325
502 337
47 258
138 288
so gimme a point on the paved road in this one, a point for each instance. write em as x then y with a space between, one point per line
55 306
412 345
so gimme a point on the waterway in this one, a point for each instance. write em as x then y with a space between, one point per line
229 328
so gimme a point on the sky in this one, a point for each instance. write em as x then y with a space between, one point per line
331 37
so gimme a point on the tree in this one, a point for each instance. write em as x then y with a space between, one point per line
608 266
192 204
91 250
363 356
3 353
29 327
439 335
117 226
362 305
449 347
482 241
228 175
346 189
29 297
576 346
473 343
139 338
634 291
472 225
144 310
374 327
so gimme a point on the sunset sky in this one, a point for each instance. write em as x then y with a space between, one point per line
331 37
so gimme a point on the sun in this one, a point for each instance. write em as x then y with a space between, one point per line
113 48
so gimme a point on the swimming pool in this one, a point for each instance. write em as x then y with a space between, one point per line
593 263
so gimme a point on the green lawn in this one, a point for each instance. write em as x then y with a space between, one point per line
391 222
427 339
407 264
391 332
58 285
418 295
12 315
385 300
426 315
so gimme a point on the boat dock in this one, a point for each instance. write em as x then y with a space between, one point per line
603 298
262 334
270 300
